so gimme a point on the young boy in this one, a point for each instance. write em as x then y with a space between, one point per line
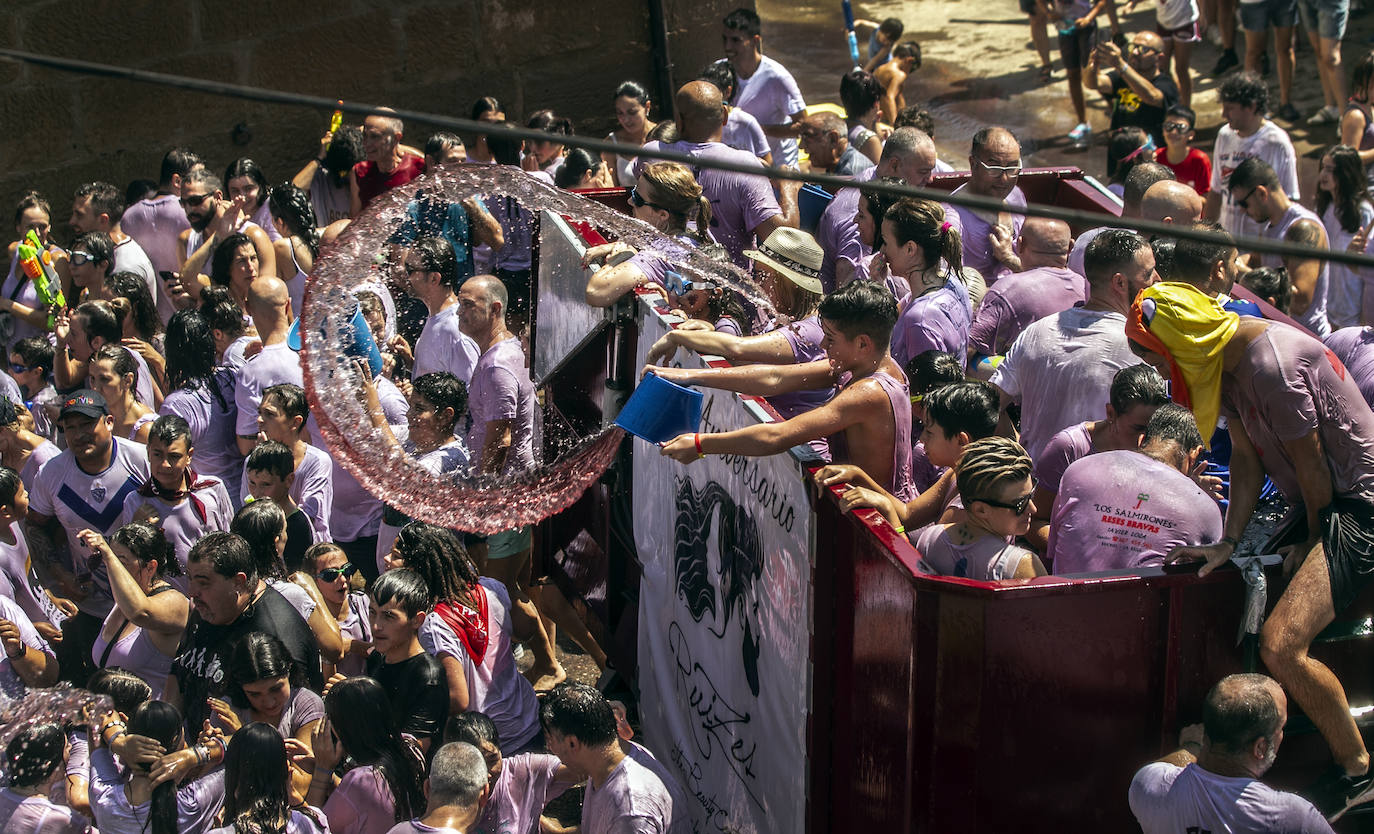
413 679
270 472
1189 164
281 417
185 505
883 36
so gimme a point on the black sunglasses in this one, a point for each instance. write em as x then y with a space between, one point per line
194 200
330 574
639 202
1018 506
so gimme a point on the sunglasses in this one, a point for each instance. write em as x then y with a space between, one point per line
331 574
1177 127
195 200
19 369
79 258
639 202
1244 201
1001 170
1018 506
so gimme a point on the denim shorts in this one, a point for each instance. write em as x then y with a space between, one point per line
1258 17
1325 17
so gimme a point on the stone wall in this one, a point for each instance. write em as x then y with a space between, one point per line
436 56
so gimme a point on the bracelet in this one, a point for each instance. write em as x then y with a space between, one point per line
23 650
1231 540
697 439
223 747
202 755
899 529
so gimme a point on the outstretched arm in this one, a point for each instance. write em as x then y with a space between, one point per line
757 380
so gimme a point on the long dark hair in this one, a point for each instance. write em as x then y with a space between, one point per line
141 305
161 722
245 167
259 523
360 713
292 207
1351 183
258 656
34 754
256 799
190 346
223 257
440 559
147 543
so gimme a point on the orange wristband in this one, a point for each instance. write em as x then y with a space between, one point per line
697 439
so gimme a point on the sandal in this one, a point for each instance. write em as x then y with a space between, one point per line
1046 73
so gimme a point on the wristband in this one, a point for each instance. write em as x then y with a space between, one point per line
24 647
899 529
1231 540
202 755
697 439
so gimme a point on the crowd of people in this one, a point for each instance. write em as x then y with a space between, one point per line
1015 396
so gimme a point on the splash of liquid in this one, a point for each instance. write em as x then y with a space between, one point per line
481 504
61 705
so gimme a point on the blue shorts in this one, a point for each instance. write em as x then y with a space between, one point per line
1258 17
510 543
1325 17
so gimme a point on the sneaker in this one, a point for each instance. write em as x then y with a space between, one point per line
1228 60
1288 113
1325 116
1335 792
1079 136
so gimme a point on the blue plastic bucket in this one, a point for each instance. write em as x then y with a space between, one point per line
660 410
357 340
811 204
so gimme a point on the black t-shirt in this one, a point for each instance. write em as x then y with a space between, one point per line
299 536
1129 111
418 689
201 658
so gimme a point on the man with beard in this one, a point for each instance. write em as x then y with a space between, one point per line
213 219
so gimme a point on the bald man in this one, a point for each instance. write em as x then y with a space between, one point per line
1170 201
825 138
386 164
1044 287
1138 85
743 206
989 238
269 304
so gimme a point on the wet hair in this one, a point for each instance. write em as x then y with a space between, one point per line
1164 248
1143 174
931 369
161 722
190 351
485 105
202 176
550 122
972 407
121 360
910 49
1238 711
862 308
1178 111
1351 185
579 711
34 754
877 203
291 205
923 222
147 543
259 523
722 74
988 464
369 303
31 200
664 133
221 312
312 553
1251 173
178 162
441 561
473 728
743 20
292 400
142 307
440 143
360 713
245 167
169 428
577 163
105 199
457 776
859 91
123 687
403 585
345 151
1109 253
1137 385
892 29
505 148
1194 260
223 258
37 352
634 90
1246 89
722 303
98 245
139 189
9 486
1126 142
914 115
256 779
227 553
677 191
99 320
436 255
1172 421
1270 283
258 656
443 390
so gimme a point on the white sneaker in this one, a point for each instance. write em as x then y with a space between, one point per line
1080 135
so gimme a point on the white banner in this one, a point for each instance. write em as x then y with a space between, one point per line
724 622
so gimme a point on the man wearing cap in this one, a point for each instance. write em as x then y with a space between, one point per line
1295 414
82 488
788 263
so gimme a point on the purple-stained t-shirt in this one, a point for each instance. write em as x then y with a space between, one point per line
442 346
198 800
37 815
156 224
1122 510
19 582
1067 446
1060 369
987 558
526 784
656 259
837 232
743 132
501 389
899 396
632 799
1020 299
1354 346
924 474
1314 318
1289 385
973 229
297 823
805 337
771 95
312 489
937 320
362 803
302 709
1167 799
739 202
46 451
10 683
212 428
273 365
182 523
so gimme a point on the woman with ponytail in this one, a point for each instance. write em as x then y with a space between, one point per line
920 245
257 797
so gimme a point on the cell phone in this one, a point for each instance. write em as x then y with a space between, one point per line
166 276
1103 36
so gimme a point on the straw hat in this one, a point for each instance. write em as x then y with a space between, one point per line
794 254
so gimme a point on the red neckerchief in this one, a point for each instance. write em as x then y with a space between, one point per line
469 625
152 489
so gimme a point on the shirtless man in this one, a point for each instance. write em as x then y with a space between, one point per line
906 59
868 422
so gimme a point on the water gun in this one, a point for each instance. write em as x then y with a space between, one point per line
336 121
849 32
36 261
